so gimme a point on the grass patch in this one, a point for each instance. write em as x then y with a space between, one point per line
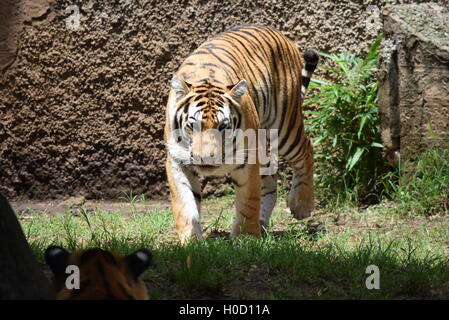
422 187
322 258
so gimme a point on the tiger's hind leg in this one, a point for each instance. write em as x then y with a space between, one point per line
301 198
269 196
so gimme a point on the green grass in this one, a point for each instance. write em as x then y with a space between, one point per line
322 258
423 187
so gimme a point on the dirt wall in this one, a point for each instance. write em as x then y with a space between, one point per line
82 107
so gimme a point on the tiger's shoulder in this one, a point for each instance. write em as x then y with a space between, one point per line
96 274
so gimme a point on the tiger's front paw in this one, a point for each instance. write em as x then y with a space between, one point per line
188 237
252 228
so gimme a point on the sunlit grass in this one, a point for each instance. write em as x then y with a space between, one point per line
322 258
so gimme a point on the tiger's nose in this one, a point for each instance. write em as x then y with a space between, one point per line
209 159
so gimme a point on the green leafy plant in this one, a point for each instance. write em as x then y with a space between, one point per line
345 127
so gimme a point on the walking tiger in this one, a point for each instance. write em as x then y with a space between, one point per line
248 78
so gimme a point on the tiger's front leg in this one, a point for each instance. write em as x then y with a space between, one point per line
246 181
185 191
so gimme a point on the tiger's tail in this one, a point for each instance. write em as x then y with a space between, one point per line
311 58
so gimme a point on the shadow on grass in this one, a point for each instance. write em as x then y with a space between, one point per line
281 266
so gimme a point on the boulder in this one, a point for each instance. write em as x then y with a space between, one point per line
414 86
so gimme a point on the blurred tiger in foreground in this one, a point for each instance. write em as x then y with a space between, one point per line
250 77
102 275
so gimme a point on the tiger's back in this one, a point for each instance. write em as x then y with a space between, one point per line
270 63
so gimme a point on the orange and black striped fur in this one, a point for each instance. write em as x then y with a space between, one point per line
102 275
250 77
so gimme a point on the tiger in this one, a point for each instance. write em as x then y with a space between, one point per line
247 78
103 275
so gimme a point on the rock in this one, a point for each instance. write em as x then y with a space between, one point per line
74 202
414 90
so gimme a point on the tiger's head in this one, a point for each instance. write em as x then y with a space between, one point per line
96 274
207 117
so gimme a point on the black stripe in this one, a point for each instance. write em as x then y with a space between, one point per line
186 103
222 61
197 53
240 212
87 256
239 118
311 57
260 75
300 150
110 258
310 67
210 65
292 124
263 61
100 267
241 166
248 206
284 97
230 55
83 287
299 183
260 46
176 124
305 81
297 152
237 184
125 292
275 74
197 196
267 193
296 141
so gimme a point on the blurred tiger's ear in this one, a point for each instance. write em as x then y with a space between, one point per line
180 87
57 258
138 262
236 91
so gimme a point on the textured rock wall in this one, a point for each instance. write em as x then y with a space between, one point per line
414 93
82 111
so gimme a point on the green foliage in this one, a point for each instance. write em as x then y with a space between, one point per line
345 128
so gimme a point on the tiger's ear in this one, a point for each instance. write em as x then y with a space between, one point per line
236 91
138 262
57 258
180 87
